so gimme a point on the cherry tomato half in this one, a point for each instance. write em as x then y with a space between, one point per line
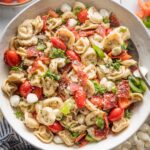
58 43
38 91
97 101
25 88
12 58
82 15
56 127
72 55
116 114
80 98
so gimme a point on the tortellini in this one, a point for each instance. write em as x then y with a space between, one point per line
68 15
53 102
87 26
94 15
46 116
90 70
9 88
111 41
89 57
136 97
91 117
44 134
78 5
54 23
122 73
66 136
49 86
30 122
89 88
66 36
57 63
81 45
27 31
120 125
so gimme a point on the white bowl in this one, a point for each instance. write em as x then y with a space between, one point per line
139 36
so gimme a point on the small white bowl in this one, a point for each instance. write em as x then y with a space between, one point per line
141 40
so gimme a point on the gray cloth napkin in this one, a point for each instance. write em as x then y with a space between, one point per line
9 140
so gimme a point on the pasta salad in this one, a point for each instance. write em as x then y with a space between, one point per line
71 79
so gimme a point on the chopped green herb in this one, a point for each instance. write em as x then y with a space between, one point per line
98 88
16 68
124 46
76 10
19 114
106 20
52 75
58 11
114 89
99 51
127 114
89 138
75 134
57 53
146 21
116 64
64 21
100 123
41 46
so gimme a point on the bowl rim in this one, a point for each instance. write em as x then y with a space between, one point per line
14 4
37 1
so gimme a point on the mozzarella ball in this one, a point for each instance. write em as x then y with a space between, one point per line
65 7
72 22
57 140
116 51
32 98
104 13
103 82
14 100
110 85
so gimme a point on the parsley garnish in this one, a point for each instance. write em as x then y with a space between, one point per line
127 114
124 46
100 123
99 88
41 46
76 10
106 20
52 75
19 114
16 68
58 11
116 64
75 134
57 53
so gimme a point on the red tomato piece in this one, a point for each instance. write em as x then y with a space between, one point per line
82 15
58 43
52 14
56 127
44 59
38 91
83 143
86 33
109 101
72 55
81 136
97 101
21 1
101 31
123 89
11 58
108 31
44 18
80 98
7 1
116 114
25 88
124 102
